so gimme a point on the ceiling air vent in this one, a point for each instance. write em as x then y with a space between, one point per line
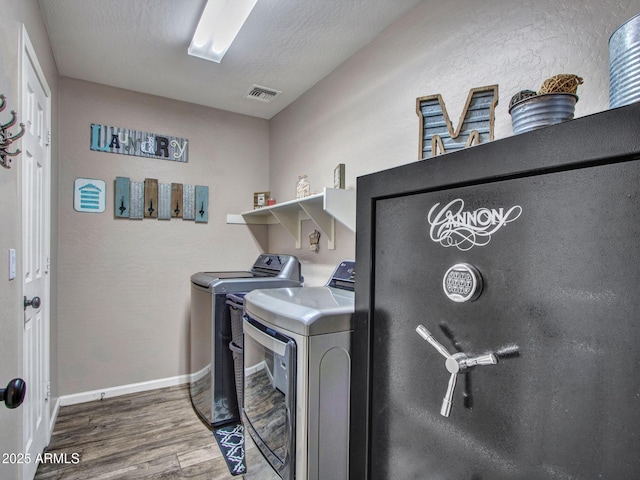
263 94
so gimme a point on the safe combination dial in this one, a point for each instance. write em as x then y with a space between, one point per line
462 283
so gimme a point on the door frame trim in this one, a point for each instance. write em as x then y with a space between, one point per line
28 54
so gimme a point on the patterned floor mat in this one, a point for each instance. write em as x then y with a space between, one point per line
231 442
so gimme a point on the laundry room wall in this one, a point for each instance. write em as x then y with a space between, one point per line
14 15
364 113
124 284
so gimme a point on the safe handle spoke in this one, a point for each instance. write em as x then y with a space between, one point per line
455 364
426 334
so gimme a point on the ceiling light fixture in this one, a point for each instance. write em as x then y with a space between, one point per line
219 24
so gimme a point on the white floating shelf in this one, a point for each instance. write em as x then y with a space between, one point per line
322 208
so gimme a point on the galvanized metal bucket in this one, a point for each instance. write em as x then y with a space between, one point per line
542 110
624 63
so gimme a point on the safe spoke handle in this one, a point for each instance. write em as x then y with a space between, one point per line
455 364
487 359
426 334
447 401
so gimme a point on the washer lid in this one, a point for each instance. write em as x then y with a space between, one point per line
208 279
230 282
305 310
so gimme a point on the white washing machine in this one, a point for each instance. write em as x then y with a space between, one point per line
212 384
297 357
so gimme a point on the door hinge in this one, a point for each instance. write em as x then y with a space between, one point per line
48 267
48 392
48 138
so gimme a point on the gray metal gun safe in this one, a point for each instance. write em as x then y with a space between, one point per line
497 323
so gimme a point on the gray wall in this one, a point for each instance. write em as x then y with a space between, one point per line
124 284
14 14
363 113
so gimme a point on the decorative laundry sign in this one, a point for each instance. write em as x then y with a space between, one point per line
140 144
89 195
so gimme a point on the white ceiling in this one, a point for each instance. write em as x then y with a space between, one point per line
141 45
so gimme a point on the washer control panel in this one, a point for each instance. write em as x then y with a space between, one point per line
462 283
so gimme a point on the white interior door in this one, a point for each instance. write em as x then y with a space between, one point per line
35 174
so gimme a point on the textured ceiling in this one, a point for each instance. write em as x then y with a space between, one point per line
141 45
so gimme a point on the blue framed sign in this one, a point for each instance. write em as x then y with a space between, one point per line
89 195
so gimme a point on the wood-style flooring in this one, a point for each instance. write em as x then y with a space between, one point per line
147 435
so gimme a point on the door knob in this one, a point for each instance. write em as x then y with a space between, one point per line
13 395
457 363
34 302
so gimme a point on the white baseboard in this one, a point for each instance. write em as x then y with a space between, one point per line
103 393
194 377
255 368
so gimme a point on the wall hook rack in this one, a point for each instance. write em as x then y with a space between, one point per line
6 138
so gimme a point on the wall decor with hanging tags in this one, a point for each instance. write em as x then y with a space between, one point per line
162 201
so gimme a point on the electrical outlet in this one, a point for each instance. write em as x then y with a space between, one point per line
12 263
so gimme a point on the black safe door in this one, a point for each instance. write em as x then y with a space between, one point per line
558 255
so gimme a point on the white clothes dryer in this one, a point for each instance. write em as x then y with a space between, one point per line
297 344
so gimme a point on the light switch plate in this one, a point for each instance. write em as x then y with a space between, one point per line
12 263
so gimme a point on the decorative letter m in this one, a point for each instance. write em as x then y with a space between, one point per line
475 125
